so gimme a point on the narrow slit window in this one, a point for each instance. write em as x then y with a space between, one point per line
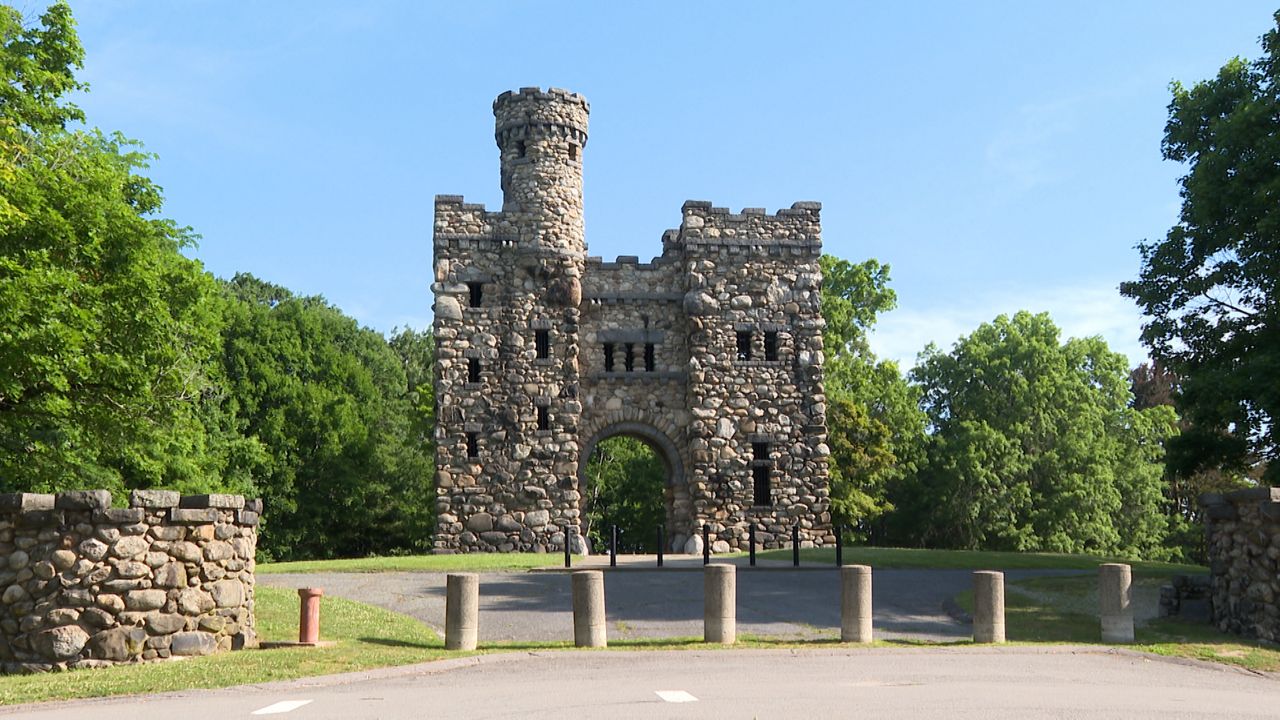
475 293
771 345
542 343
759 451
630 357
648 357
473 445
573 151
760 486
544 418
520 148
608 357
744 344
473 370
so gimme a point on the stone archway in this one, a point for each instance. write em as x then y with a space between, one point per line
678 506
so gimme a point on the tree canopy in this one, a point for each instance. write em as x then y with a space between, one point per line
348 469
104 324
875 429
1208 288
1034 446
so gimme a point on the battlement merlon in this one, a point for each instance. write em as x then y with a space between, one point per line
530 110
797 226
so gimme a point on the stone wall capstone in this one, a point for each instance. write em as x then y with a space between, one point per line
83 584
1243 534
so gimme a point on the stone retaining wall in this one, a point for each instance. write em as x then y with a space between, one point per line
83 584
1243 529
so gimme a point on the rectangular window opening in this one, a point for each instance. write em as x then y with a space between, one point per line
608 357
744 344
520 148
573 151
542 343
475 291
760 486
473 370
771 345
759 451
544 418
630 357
473 445
648 357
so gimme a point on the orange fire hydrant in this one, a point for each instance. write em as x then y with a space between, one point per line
309 616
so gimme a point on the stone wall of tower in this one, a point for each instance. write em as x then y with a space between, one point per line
509 474
507 451
757 275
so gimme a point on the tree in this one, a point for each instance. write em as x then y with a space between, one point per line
348 470
1185 478
1034 446
875 429
104 324
1208 288
625 486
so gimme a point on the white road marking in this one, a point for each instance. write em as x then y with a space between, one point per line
675 696
283 706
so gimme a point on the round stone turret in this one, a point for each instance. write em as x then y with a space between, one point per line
540 137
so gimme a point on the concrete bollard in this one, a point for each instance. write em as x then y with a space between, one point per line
462 607
588 609
309 615
1115 602
855 603
988 606
720 603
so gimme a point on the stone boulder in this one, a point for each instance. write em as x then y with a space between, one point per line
60 643
118 644
193 643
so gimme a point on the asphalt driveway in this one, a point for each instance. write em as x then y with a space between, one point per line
775 602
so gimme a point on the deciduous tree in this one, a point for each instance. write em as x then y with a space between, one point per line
1034 446
1209 287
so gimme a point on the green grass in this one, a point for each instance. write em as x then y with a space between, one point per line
472 562
366 637
901 558
1065 610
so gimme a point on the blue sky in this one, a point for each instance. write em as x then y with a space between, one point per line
997 155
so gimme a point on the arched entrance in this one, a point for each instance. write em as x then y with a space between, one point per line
671 492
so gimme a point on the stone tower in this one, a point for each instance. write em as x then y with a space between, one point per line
711 354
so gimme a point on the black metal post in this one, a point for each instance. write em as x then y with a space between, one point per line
839 547
751 542
662 540
795 546
613 546
568 538
706 544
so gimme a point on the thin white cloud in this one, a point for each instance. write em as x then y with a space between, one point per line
1078 310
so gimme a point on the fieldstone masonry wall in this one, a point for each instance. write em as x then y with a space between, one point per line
1244 560
711 353
83 584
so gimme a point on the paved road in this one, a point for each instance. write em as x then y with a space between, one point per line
668 603
985 683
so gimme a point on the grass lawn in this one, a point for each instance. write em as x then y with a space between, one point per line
1065 610
469 562
367 637
891 558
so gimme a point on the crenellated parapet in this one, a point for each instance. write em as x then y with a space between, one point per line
83 584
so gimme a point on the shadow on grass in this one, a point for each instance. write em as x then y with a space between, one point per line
393 642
